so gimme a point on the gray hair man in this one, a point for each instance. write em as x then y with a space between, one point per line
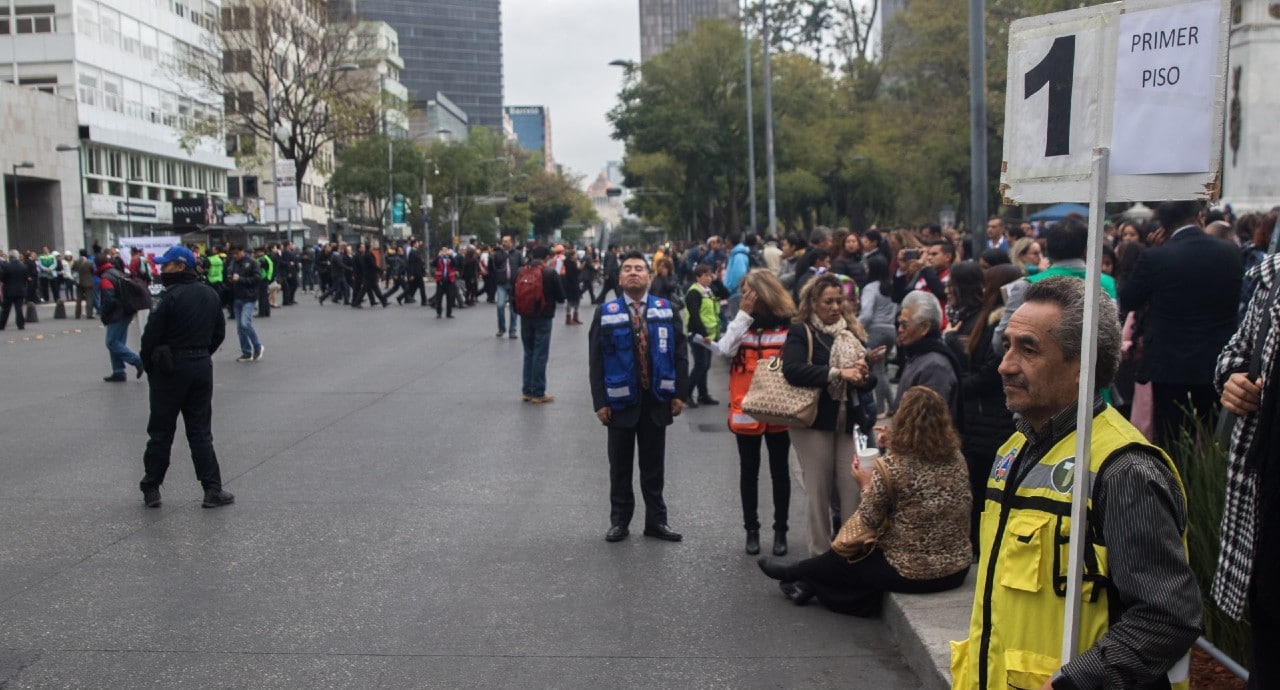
929 362
1140 606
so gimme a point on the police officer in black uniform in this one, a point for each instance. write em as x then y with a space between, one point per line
184 329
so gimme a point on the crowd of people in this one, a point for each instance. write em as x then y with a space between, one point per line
967 460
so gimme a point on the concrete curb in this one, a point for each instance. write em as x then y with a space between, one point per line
925 624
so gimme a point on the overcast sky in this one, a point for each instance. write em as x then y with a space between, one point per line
556 53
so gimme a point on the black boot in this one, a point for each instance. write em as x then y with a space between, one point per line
779 542
798 592
753 541
776 568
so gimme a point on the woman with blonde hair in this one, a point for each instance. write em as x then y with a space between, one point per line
1027 255
824 350
757 333
915 511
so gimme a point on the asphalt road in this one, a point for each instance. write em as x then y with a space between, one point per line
402 520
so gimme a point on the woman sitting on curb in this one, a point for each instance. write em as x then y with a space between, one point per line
919 513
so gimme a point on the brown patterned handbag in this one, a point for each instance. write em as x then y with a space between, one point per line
856 539
772 400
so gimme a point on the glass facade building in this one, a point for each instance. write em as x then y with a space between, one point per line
452 47
662 21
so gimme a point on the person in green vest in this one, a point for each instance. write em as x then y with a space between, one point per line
214 273
702 310
268 272
1140 607
47 261
1065 245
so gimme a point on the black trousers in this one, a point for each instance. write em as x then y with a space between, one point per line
416 288
337 290
188 391
857 589
610 283
370 288
779 445
13 303
290 291
264 302
446 295
1172 405
651 440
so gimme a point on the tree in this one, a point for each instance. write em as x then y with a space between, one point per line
292 52
361 171
836 33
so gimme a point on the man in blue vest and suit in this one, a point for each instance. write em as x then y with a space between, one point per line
639 373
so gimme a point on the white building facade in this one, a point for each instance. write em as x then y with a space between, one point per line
120 62
1251 160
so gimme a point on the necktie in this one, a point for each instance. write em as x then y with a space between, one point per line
642 342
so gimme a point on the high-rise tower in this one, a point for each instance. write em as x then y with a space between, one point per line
452 47
662 21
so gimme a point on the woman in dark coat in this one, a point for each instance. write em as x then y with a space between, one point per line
985 422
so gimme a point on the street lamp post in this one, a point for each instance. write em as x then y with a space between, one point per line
453 220
17 207
751 130
768 122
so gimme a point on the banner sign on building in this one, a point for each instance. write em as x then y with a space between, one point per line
137 210
148 246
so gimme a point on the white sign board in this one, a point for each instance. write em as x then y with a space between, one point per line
1166 83
1067 72
286 187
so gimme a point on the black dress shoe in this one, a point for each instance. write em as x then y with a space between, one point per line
779 542
753 541
217 497
704 400
798 592
616 533
691 403
115 378
661 531
775 568
151 498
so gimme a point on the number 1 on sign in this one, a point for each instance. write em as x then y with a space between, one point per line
1057 71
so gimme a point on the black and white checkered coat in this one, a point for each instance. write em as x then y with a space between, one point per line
1239 539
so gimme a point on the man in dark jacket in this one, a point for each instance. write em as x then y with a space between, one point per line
611 268
1190 285
185 328
13 279
116 316
535 331
504 264
415 268
367 265
245 275
337 278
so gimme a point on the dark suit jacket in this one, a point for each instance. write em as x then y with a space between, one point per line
1191 287
628 417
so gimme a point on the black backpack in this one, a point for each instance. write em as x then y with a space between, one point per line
131 294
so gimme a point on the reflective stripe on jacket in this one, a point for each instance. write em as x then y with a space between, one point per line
756 345
617 342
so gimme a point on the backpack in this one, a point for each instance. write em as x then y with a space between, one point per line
530 299
132 295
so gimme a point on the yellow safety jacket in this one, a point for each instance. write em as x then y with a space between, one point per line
1019 603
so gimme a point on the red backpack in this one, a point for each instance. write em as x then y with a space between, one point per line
530 299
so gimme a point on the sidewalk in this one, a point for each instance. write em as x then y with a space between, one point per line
925 624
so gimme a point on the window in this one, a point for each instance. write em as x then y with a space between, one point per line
130 33
229 102
114 168
34 19
233 187
45 84
109 22
237 61
87 20
236 18
250 186
135 167
89 88
111 99
245 102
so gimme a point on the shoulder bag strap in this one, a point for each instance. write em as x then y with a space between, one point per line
808 330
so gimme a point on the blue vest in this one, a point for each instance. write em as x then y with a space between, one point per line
617 342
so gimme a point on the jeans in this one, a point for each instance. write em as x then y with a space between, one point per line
698 374
249 343
535 336
504 297
118 349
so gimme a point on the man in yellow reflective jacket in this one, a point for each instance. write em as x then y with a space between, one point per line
1140 609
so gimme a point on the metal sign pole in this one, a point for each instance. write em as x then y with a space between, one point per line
1084 412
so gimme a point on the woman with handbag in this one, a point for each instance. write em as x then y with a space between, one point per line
911 531
757 333
823 351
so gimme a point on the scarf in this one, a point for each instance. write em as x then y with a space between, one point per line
845 351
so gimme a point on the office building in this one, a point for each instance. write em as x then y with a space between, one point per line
452 47
118 62
663 21
532 127
438 118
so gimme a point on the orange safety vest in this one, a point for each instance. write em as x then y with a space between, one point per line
756 345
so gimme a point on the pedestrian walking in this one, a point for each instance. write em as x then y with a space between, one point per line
505 265
14 281
82 270
117 313
185 329
638 372
245 276
537 292
446 277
